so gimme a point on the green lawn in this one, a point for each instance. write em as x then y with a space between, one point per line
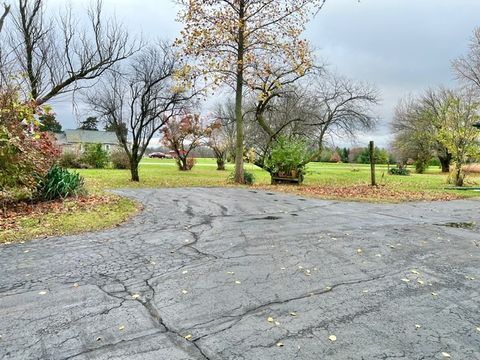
69 217
323 180
163 173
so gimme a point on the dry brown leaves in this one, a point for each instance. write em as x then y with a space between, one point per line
11 215
361 192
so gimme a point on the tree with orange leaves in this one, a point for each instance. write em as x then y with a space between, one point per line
233 42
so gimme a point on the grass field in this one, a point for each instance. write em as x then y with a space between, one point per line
163 173
323 180
71 216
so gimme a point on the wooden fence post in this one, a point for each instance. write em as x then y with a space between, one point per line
371 150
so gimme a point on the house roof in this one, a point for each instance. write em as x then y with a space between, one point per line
86 136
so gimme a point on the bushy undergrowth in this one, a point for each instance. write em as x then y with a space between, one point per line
399 171
248 178
119 159
60 183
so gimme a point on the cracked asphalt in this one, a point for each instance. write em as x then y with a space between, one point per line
243 274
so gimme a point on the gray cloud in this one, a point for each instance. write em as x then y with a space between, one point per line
401 46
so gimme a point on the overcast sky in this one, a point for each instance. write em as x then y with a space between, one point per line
401 46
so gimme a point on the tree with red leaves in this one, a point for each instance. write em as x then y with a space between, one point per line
182 134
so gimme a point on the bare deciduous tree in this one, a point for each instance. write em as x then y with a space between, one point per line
467 67
58 54
141 97
6 10
342 107
234 40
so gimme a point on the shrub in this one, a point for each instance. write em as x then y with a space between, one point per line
471 168
25 151
119 159
95 156
191 161
288 158
59 183
399 171
248 177
69 159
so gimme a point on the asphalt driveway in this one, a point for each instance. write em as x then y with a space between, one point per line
240 274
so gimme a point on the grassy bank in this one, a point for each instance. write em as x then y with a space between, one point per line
323 180
345 181
56 218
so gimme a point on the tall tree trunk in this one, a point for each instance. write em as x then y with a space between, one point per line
458 175
182 163
134 170
239 171
445 161
220 164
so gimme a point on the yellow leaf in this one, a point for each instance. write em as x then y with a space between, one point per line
188 337
418 326
42 293
332 338
293 314
121 327
76 285
445 354
185 272
414 272
478 328
420 282
279 344
277 323
359 251
405 280
184 291
270 319
230 273
434 294
328 288
238 282
135 296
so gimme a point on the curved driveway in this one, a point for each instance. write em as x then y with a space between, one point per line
241 274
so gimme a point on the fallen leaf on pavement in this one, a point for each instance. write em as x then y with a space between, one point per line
332 338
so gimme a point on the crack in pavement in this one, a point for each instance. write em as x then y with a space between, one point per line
236 269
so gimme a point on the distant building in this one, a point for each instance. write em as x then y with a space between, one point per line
75 140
